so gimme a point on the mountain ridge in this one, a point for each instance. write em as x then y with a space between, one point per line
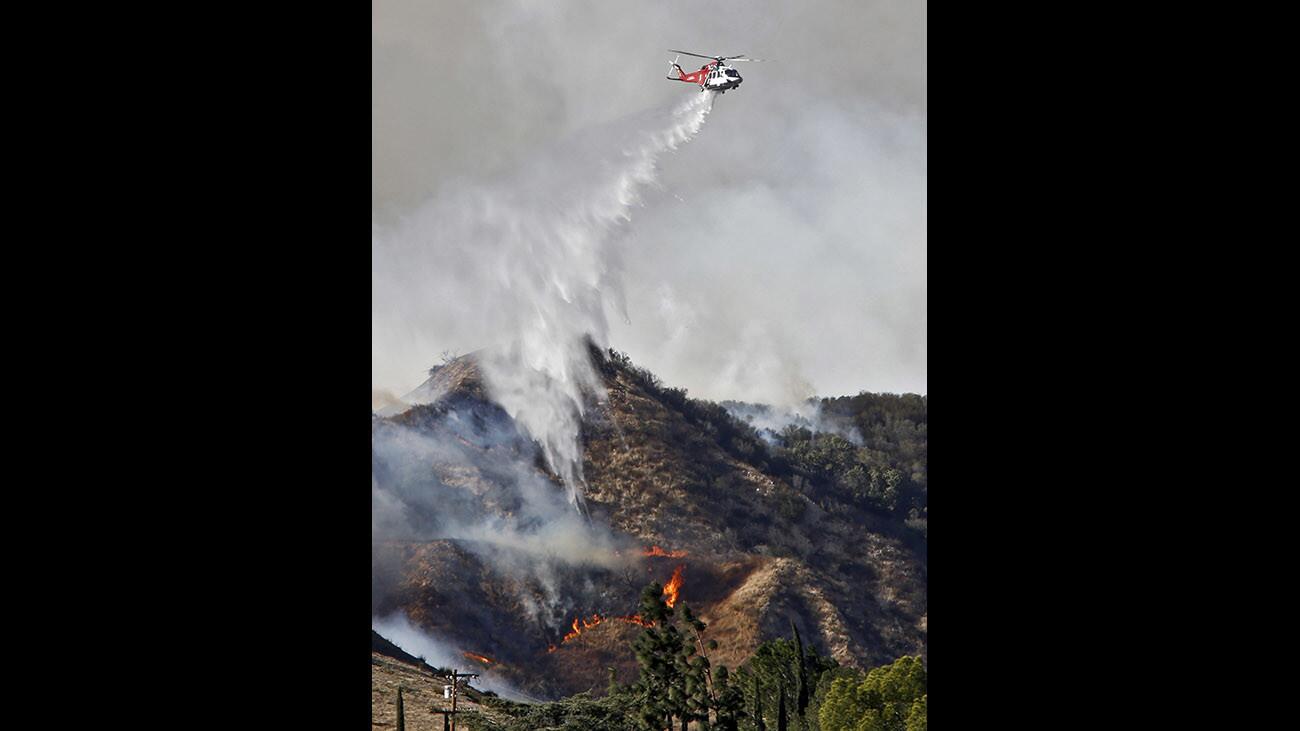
764 545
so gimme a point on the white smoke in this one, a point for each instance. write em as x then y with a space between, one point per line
398 629
471 479
529 265
469 476
770 420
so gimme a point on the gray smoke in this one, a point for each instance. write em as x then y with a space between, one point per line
464 473
440 653
472 478
530 262
770 421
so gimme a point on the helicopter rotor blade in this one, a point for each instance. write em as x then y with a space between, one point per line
697 55
746 59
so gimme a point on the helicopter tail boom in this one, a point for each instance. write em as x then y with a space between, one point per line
694 77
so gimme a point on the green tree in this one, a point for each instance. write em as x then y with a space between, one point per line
700 697
841 709
730 704
401 714
698 702
781 723
657 650
823 687
801 703
676 678
776 665
916 715
885 699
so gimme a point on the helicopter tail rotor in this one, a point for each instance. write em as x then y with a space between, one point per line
672 66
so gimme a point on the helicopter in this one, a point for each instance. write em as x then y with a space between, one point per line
715 75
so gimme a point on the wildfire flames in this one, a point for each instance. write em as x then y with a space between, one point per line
586 624
481 658
657 551
580 625
673 589
635 619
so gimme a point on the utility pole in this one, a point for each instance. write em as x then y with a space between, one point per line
455 687
455 679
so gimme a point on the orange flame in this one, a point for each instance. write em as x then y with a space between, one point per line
657 551
672 592
481 658
635 619
673 588
580 625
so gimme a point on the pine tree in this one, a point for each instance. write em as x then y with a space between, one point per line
698 701
758 708
656 661
676 681
889 697
676 660
730 703
701 693
916 716
841 709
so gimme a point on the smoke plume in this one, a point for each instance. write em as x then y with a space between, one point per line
465 473
770 420
396 628
531 263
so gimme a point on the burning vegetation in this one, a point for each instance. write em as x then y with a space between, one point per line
672 592
479 658
657 551
580 625
673 589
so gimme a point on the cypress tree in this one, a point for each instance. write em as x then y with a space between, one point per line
401 716
780 709
802 702
758 708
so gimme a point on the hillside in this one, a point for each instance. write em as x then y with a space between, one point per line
422 690
805 527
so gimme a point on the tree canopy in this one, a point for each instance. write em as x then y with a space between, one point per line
888 698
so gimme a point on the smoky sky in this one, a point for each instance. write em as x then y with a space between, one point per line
782 252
